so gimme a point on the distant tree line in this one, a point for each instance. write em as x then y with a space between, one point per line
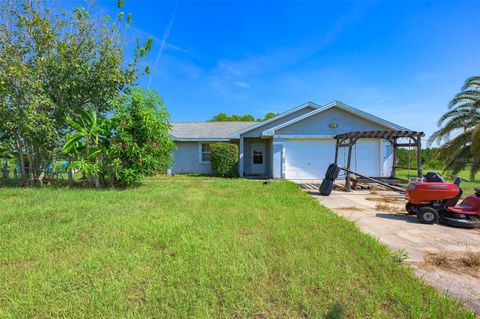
223 117
430 158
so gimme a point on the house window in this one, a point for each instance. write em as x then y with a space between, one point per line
204 153
257 157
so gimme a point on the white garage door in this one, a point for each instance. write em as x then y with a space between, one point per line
309 159
366 157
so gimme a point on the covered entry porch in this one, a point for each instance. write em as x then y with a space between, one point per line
255 157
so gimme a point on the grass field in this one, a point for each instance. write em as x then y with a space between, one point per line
466 186
197 247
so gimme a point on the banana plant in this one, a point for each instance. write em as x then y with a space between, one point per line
86 144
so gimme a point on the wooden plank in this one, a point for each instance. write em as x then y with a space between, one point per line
380 134
373 180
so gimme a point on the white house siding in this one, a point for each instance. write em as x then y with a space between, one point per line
278 146
187 159
387 158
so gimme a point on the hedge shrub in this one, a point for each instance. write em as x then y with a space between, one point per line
224 159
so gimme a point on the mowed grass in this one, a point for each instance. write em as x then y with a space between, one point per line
197 247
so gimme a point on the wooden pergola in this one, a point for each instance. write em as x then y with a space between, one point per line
350 139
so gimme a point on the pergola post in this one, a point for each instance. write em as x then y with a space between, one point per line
336 153
419 157
394 162
349 160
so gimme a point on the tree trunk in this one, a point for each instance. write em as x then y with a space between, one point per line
90 180
97 181
5 168
70 174
97 176
38 165
30 168
21 161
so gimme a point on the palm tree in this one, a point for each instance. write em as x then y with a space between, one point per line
459 129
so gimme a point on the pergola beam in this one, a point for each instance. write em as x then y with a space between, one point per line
350 139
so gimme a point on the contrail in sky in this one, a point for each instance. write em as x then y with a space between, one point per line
166 34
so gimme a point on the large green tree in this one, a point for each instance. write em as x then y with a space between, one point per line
54 64
459 130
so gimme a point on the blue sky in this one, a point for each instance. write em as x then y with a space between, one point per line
400 60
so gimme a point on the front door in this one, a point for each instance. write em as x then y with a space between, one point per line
258 159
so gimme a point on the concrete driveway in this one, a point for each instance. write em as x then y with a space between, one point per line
381 214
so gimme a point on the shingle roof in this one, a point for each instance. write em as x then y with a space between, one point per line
206 130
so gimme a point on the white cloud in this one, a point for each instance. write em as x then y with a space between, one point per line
242 85
163 42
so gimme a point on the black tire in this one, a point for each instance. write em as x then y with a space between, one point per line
326 187
427 215
332 171
410 208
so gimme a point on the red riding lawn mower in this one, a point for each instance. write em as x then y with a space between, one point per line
434 200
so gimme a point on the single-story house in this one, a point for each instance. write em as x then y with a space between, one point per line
297 144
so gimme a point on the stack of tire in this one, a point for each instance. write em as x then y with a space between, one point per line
329 181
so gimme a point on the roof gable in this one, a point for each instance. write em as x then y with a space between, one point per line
336 104
276 118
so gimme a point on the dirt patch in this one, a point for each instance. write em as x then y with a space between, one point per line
386 199
460 263
351 208
389 208
244 233
477 223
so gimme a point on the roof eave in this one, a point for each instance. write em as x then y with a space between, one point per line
236 135
201 139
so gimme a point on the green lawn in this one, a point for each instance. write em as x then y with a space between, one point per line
466 186
197 247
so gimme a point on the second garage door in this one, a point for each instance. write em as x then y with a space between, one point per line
309 159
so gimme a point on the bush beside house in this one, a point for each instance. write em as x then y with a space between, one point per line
224 159
121 150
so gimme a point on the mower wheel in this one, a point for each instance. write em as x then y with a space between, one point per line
427 215
410 208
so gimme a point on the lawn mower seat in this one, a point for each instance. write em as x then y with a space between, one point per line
434 177
469 206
